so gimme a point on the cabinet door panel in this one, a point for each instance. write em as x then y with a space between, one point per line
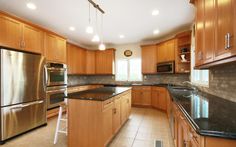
33 39
61 50
154 100
162 99
209 31
149 59
199 32
90 62
105 61
116 115
146 98
107 124
224 25
11 31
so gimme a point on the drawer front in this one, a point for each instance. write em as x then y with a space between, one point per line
108 103
20 118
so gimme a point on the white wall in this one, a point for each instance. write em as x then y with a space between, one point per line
135 48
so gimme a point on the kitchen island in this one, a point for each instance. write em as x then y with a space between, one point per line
96 115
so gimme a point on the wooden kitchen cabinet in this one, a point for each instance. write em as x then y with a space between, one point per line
149 59
90 62
125 106
141 95
215 31
32 39
11 32
105 62
166 51
18 35
76 57
117 115
55 48
159 98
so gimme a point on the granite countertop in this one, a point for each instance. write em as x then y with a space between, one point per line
98 94
209 115
125 85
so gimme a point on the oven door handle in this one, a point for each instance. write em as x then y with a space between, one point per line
45 77
56 91
57 69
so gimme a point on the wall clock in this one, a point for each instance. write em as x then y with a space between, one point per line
128 53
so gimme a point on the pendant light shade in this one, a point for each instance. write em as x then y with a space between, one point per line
89 30
96 38
102 47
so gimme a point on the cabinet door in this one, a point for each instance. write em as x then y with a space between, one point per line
116 115
11 31
162 99
161 52
136 97
105 61
90 62
146 97
107 124
224 26
149 59
55 48
199 27
32 39
154 100
80 60
123 110
209 30
170 50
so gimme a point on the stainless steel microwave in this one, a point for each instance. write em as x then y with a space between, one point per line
166 67
56 74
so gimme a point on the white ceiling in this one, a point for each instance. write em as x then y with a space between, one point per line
131 18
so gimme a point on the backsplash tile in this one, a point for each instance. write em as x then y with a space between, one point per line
222 81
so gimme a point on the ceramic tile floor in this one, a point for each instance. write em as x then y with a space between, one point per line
143 127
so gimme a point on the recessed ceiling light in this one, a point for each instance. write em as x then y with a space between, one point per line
31 6
72 28
156 32
155 12
122 36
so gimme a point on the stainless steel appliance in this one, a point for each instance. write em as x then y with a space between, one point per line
23 95
56 74
166 67
55 96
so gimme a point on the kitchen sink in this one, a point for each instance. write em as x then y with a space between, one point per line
182 89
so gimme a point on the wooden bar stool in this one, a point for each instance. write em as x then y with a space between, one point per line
63 107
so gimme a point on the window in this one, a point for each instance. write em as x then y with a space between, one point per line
128 70
198 77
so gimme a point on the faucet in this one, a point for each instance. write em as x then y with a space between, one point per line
190 85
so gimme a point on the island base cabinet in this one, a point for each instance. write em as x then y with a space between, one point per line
94 123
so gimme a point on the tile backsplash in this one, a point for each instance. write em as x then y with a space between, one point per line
147 79
222 81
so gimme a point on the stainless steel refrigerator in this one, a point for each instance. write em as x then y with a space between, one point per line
23 96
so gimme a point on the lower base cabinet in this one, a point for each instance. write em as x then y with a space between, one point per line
95 123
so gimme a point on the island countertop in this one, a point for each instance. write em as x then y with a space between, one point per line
98 94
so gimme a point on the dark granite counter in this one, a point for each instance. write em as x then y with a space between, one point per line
126 85
98 94
209 115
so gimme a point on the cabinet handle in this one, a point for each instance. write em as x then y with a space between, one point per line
114 110
228 40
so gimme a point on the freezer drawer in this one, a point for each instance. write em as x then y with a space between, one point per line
17 119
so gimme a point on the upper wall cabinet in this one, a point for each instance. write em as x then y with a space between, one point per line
166 51
215 31
18 35
75 59
90 62
149 59
105 61
55 48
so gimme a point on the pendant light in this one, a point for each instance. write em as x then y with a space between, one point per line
89 28
96 36
102 45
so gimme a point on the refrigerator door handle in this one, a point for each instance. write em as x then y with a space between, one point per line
26 105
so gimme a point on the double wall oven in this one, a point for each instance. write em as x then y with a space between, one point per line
56 80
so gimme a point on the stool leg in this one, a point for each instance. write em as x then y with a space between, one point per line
58 125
